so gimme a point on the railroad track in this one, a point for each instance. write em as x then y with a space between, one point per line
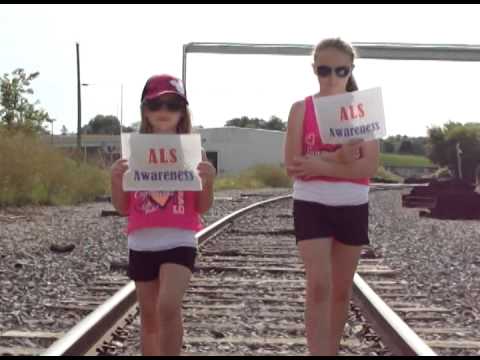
247 298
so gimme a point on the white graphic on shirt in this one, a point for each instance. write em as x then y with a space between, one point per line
150 202
310 139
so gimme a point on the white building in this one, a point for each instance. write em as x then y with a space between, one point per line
230 149
233 149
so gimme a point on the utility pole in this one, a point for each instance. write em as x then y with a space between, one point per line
121 108
52 120
184 68
459 161
79 102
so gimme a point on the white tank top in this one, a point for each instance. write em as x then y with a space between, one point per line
331 193
160 239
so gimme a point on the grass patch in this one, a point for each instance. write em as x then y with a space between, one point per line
443 172
267 176
404 160
386 176
260 176
32 172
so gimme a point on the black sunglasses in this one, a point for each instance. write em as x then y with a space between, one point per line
170 105
340 71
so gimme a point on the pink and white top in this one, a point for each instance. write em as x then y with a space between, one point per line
159 214
163 209
327 190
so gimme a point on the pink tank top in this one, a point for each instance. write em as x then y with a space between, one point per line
163 210
312 143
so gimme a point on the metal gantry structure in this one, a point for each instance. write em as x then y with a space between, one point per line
365 50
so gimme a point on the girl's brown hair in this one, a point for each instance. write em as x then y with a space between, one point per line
343 46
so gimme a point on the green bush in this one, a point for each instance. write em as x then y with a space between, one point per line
260 176
263 176
404 160
384 175
271 176
32 172
443 172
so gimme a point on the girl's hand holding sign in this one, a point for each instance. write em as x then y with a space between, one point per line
207 173
119 168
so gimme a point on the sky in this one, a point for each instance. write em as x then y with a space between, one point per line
125 44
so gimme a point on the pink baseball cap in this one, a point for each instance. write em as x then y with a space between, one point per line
158 85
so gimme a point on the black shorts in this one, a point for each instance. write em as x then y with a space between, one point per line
145 265
347 224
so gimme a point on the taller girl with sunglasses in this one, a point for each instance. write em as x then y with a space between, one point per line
330 201
162 226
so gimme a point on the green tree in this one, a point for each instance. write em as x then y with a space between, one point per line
419 145
16 110
103 124
136 126
128 129
442 147
239 122
406 147
275 123
388 146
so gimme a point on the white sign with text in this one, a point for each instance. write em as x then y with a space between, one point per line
162 162
351 116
